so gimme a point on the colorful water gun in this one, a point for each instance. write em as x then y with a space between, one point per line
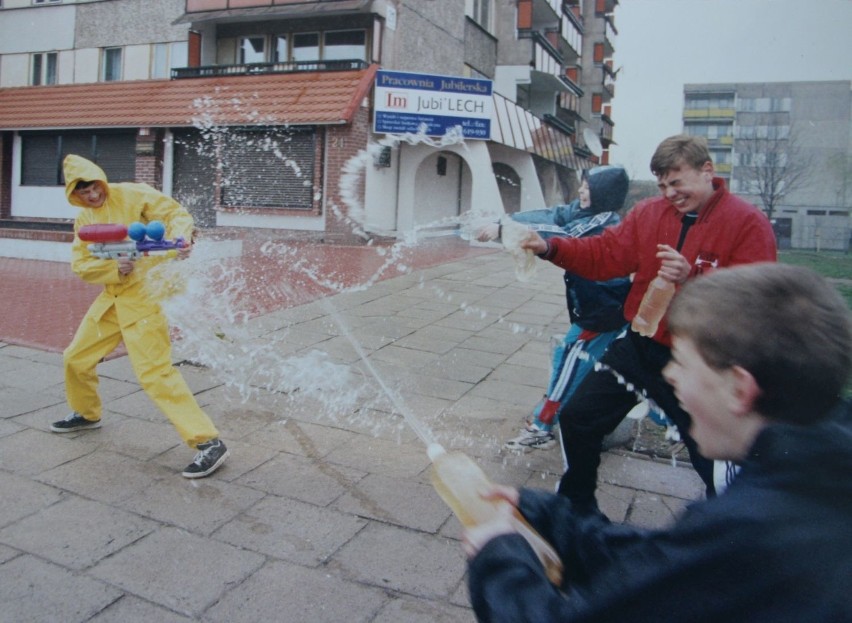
110 241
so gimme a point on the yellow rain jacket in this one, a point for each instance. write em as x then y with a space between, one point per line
125 203
127 310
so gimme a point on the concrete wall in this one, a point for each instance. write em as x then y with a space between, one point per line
429 35
129 22
34 29
87 65
37 29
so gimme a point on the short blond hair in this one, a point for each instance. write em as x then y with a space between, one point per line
678 150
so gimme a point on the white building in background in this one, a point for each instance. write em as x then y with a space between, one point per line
740 120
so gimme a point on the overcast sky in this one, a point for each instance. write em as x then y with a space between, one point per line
664 44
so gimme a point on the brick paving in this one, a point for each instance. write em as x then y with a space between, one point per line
321 514
42 302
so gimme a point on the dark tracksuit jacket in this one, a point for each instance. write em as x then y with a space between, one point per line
776 547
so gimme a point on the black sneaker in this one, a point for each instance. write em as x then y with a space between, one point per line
74 422
211 455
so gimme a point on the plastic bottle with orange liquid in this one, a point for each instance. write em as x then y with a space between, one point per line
461 482
653 307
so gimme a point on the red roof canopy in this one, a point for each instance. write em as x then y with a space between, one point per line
298 98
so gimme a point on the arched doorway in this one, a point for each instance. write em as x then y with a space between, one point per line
442 191
509 185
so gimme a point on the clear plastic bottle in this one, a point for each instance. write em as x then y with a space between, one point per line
460 482
653 307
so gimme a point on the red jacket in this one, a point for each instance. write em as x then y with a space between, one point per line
728 231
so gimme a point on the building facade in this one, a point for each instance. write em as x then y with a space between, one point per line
787 148
259 113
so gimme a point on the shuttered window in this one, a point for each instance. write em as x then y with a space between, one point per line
195 176
271 168
42 154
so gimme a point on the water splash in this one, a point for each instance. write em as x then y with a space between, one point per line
214 332
213 320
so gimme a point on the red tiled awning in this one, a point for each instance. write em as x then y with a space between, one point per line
299 98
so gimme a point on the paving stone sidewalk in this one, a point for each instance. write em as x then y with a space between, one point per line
317 516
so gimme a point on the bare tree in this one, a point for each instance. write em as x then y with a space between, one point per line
772 166
840 165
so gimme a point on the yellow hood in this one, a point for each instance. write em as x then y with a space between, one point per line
77 168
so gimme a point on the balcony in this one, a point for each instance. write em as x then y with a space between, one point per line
568 106
692 114
573 77
603 7
571 30
253 69
609 76
539 15
228 11
546 59
608 86
199 6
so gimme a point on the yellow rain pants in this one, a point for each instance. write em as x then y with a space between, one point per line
149 349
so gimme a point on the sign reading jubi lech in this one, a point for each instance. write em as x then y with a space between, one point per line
409 102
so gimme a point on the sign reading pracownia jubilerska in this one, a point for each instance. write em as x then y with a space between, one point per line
411 102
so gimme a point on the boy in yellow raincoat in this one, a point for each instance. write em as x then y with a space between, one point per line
124 311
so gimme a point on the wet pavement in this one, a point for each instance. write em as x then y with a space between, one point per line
317 516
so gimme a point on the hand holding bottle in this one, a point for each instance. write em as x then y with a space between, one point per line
486 510
673 266
476 536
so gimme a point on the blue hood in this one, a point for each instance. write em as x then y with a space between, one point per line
608 188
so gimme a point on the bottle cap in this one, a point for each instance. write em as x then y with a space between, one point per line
435 450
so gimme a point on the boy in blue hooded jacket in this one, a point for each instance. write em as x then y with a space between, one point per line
596 308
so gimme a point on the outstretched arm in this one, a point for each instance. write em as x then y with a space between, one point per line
535 243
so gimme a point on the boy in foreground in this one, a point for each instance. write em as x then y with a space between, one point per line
761 354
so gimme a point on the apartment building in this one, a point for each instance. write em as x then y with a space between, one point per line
787 148
260 113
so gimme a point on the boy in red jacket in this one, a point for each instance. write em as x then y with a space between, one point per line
694 227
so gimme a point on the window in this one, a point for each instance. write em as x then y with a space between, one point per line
42 154
479 11
43 68
765 104
710 131
703 103
282 53
306 46
720 157
332 45
344 45
111 64
167 56
46 1
252 50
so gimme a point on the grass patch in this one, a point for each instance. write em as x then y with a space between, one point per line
833 265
